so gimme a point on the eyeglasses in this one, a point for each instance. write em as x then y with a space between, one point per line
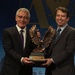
23 17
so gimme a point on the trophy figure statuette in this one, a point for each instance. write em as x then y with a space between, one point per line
38 53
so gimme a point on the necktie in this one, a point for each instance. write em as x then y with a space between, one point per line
22 38
58 33
56 38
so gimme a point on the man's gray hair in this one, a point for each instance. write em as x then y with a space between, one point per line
23 10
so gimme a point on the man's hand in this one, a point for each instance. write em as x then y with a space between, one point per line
48 62
25 60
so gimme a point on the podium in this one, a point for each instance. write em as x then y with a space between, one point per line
38 70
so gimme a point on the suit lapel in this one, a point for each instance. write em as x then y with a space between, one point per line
62 34
17 37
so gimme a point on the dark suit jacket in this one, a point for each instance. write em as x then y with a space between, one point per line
14 51
62 53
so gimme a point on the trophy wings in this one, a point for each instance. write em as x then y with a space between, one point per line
45 42
48 37
34 36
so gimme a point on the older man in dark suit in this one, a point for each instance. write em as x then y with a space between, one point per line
60 58
17 48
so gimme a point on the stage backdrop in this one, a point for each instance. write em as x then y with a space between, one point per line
42 14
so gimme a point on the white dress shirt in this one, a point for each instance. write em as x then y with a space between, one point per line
24 33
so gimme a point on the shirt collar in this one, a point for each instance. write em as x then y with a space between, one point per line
18 28
62 28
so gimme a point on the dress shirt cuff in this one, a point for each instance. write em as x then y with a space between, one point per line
22 59
52 60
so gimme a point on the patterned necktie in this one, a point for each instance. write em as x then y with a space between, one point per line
22 38
58 33
56 38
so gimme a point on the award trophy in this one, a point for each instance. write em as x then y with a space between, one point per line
38 53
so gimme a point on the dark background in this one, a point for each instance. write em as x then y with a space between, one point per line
8 9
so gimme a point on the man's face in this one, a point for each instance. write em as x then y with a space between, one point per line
61 18
22 19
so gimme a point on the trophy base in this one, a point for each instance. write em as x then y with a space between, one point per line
37 57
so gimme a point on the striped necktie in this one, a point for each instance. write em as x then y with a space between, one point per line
58 33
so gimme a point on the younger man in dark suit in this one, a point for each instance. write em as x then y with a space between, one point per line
60 59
